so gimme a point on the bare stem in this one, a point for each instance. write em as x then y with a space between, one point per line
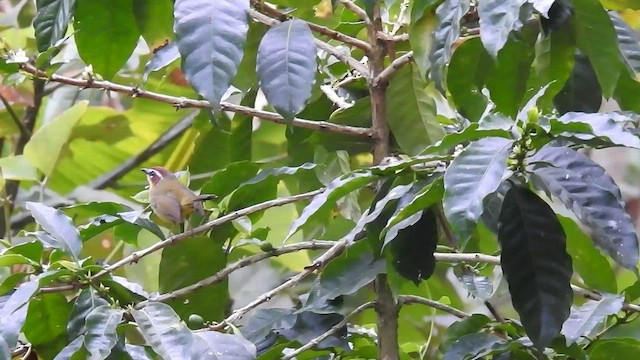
413 299
396 65
356 10
12 114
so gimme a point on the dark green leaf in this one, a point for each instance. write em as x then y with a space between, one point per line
246 76
278 173
211 37
450 13
470 65
227 346
470 133
420 38
83 305
498 19
14 312
535 264
474 174
581 92
161 57
10 282
584 126
471 344
615 349
411 112
124 291
52 20
324 202
163 330
73 351
591 194
286 66
223 182
155 20
101 334
584 319
310 325
597 38
240 139
458 329
110 24
59 226
185 264
628 42
265 321
45 325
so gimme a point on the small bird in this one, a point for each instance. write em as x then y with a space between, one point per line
170 199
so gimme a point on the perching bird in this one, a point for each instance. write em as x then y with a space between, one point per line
170 199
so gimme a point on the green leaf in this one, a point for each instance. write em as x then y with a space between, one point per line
161 58
584 187
73 351
240 139
46 145
535 264
227 346
185 264
597 38
110 24
246 78
474 174
278 173
286 66
628 42
264 321
45 326
606 126
13 259
59 226
478 286
421 39
11 282
82 306
14 312
588 262
412 112
584 319
615 349
31 250
124 291
581 92
211 37
498 19
471 65
470 133
155 20
101 334
472 324
472 344
164 332
223 182
324 202
51 21
450 14
310 325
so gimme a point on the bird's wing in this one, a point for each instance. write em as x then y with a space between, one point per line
168 208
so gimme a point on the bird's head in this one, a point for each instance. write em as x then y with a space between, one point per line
157 173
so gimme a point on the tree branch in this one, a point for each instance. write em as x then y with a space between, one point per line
333 252
224 273
392 38
357 10
323 30
181 103
340 55
337 327
12 114
136 256
413 299
388 72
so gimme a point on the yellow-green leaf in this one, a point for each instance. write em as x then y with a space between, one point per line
18 168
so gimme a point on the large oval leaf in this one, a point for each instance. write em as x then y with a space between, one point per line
585 318
286 66
83 305
64 235
101 334
581 92
14 312
52 21
211 37
497 19
474 174
608 127
591 194
535 264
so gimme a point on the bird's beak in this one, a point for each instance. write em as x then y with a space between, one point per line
146 171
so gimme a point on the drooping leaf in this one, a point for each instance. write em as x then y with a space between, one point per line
45 146
614 348
471 65
535 264
65 236
163 330
411 112
161 58
628 42
83 305
227 346
475 173
471 344
498 19
322 203
597 38
51 21
286 66
450 13
14 312
584 187
211 37
421 39
581 92
110 24
585 126
101 334
584 319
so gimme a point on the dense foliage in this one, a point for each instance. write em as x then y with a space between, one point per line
395 179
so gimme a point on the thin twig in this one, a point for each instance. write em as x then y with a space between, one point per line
136 256
12 114
224 273
395 65
592 295
333 252
356 10
413 299
492 309
181 103
392 38
340 55
337 327
323 30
